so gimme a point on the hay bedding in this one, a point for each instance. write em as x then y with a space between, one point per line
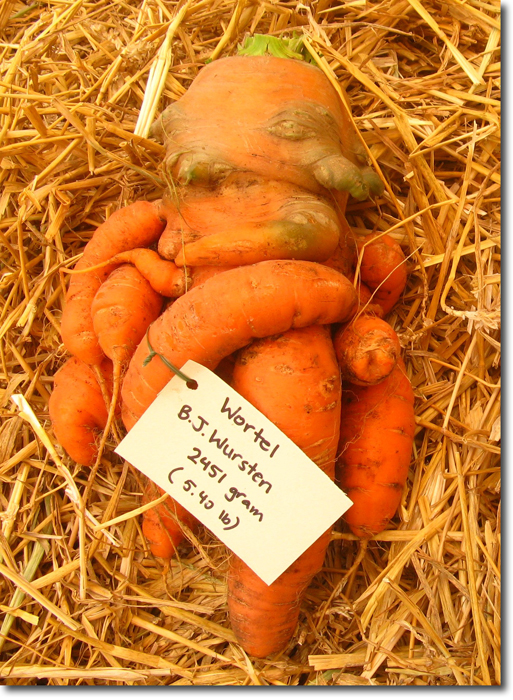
86 604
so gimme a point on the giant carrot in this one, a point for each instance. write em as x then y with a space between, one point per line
294 380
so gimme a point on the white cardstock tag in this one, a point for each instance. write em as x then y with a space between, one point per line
232 468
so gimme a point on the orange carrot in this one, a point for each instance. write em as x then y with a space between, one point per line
383 269
162 524
227 312
376 439
77 409
294 380
291 374
273 240
367 349
122 310
277 118
263 617
136 226
344 260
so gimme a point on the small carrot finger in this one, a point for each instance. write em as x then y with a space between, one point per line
376 439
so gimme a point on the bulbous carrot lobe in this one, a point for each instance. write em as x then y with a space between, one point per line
279 118
246 219
383 269
367 350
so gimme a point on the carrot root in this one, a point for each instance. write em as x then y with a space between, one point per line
294 380
77 409
335 172
376 439
383 269
273 240
264 618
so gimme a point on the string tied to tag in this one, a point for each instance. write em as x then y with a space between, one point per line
191 383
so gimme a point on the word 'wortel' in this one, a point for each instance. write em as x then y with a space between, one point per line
239 420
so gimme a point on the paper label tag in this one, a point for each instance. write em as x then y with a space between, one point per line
233 469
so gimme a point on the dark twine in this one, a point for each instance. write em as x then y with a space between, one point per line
191 383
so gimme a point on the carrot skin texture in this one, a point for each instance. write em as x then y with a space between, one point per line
383 269
202 273
376 439
294 380
296 374
344 256
224 369
227 312
367 350
77 409
135 226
